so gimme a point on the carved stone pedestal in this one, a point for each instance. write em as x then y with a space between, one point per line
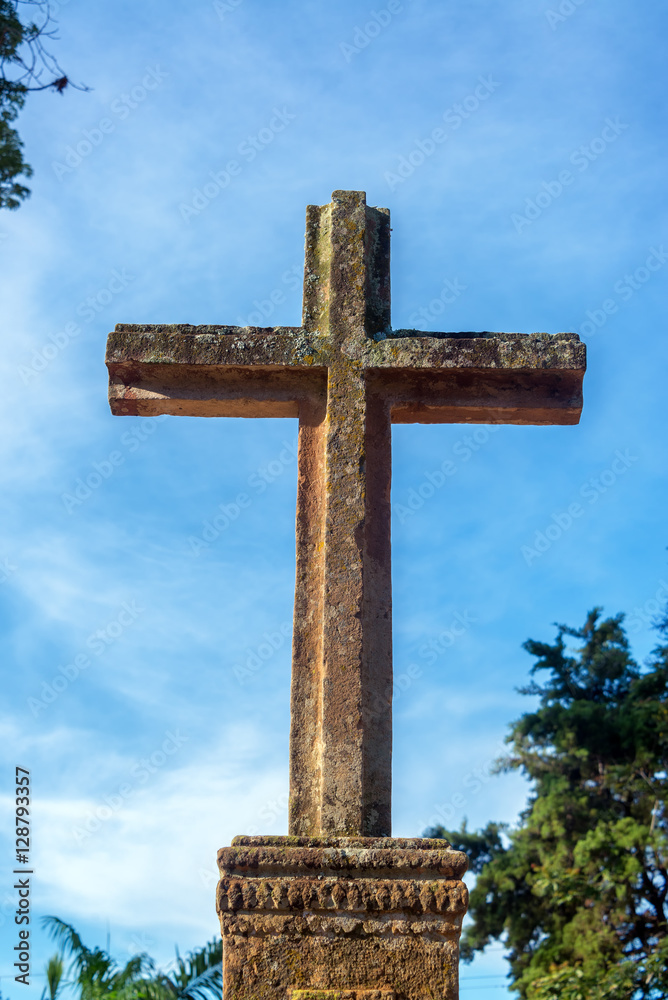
349 918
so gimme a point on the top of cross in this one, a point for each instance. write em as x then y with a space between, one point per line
346 315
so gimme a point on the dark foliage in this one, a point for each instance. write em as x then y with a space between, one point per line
25 65
579 891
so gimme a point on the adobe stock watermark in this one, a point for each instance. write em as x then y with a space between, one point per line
363 35
591 491
649 613
256 658
272 810
454 117
429 651
7 569
227 513
225 7
248 149
264 308
139 943
459 626
426 315
464 450
102 470
55 5
581 158
120 109
87 310
472 784
625 288
562 13
97 643
139 774
7 908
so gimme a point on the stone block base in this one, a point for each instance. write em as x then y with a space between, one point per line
340 918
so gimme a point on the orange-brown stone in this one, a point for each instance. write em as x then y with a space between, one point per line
348 917
341 917
348 377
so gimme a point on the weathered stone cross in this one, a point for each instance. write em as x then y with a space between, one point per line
347 377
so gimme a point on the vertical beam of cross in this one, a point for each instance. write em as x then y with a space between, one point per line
341 736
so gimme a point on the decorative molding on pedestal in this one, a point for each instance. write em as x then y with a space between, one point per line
323 918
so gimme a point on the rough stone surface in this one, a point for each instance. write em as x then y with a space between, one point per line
343 994
347 377
367 857
340 910
357 918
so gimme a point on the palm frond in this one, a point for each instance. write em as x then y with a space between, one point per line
68 939
55 968
206 986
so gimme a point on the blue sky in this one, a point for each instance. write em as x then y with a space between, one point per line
538 205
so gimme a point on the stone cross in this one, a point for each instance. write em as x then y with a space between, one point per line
347 377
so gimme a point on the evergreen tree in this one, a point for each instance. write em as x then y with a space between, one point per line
579 890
